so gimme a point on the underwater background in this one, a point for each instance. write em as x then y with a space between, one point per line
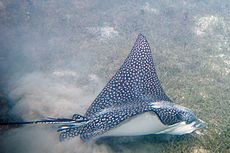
57 55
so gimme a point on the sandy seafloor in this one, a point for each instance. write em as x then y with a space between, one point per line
56 56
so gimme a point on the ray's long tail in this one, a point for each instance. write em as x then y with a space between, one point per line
76 119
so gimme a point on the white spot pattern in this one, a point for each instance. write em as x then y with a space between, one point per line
135 89
136 80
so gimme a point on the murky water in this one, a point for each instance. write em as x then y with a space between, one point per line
56 56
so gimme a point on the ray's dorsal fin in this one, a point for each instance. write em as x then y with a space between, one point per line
135 81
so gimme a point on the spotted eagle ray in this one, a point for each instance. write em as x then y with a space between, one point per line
132 103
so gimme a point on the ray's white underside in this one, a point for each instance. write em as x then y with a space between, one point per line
149 123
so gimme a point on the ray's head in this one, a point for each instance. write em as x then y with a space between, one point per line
185 114
171 114
189 117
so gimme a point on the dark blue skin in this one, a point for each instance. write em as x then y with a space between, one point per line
134 89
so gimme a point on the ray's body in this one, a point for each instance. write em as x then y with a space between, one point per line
132 103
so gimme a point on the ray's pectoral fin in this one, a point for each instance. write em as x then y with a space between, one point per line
136 80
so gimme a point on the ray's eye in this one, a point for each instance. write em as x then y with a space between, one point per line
179 117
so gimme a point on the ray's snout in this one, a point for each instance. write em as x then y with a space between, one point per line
199 124
189 117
